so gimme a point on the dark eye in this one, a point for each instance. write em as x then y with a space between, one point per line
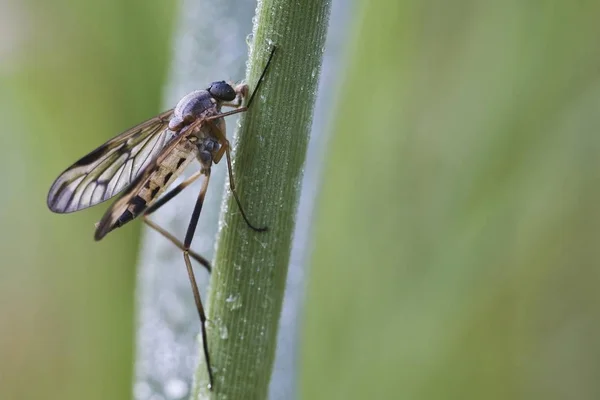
222 91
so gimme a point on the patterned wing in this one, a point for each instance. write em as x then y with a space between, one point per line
110 168
149 184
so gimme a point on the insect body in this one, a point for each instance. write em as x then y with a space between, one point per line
143 161
196 130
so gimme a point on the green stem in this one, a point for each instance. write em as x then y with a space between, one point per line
248 283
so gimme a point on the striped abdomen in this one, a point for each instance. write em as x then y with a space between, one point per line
134 202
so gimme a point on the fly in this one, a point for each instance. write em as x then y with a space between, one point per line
142 162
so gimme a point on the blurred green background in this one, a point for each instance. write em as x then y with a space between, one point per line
456 249
456 235
72 74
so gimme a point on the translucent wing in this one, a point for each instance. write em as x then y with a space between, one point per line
149 184
110 168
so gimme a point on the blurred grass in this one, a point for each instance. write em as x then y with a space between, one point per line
456 239
76 74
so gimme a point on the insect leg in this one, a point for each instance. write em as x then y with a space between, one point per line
201 260
225 147
159 203
219 154
226 114
262 76
186 256
232 187
239 99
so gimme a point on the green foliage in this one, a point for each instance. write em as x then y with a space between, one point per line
78 74
456 239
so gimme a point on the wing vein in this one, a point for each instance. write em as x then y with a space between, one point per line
105 166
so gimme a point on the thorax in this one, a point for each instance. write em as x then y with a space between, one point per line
194 105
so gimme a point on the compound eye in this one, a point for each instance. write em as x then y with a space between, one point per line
222 91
